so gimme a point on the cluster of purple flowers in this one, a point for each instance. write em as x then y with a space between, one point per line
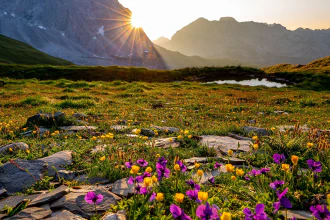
320 212
161 169
282 201
255 172
315 166
207 212
259 214
279 158
140 162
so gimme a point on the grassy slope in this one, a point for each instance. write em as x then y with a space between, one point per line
16 52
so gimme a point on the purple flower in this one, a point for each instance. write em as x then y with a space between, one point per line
264 170
316 166
141 190
206 212
162 171
128 164
274 185
142 162
93 199
320 212
282 201
152 197
131 180
178 213
217 165
140 179
279 158
183 168
162 161
193 195
211 179
193 184
260 213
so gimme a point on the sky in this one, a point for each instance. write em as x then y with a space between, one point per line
165 17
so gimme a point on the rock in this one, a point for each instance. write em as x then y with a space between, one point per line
12 201
236 136
50 197
299 214
64 215
66 175
253 121
196 159
78 128
232 160
32 213
166 129
225 143
98 148
14 179
208 175
69 203
122 188
145 132
284 128
119 128
164 143
281 112
260 113
14 146
259 131
40 131
132 135
79 115
3 193
114 216
46 119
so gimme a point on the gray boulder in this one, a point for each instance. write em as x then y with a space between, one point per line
46 119
259 131
14 147
166 129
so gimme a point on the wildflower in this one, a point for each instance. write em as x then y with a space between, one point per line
264 170
186 132
233 178
273 129
162 161
310 145
148 170
10 149
128 164
279 158
315 166
282 201
177 167
320 212
193 184
135 169
162 171
102 158
159 197
225 216
274 185
197 165
93 199
193 195
207 212
140 179
154 179
294 159
157 155
286 167
170 139
211 179
179 197
152 197
180 137
239 172
27 151
142 162
230 152
255 138
141 190
137 131
190 136
200 172
217 165
147 181
230 168
259 215
203 196
178 213
255 146
183 168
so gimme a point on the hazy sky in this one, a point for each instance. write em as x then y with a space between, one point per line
165 17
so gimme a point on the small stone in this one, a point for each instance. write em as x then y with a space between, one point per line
113 216
66 175
78 128
232 160
40 131
32 213
164 143
79 115
253 121
119 128
64 214
166 129
196 159
14 147
99 148
122 188
50 197
259 131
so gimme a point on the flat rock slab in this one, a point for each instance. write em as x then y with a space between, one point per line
299 214
166 129
284 128
196 159
40 131
91 180
78 128
164 142
207 175
12 201
232 160
64 214
119 128
259 131
32 213
14 147
225 143
238 137
14 179
50 197
122 188
114 216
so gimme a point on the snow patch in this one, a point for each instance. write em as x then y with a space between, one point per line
12 15
101 31
42 27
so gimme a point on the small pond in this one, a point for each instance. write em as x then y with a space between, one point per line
252 82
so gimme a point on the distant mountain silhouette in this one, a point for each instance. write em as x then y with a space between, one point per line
161 40
250 42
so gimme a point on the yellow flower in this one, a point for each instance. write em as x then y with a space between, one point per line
225 216
230 168
179 197
230 152
137 131
273 129
135 169
159 197
157 155
239 172
170 139
294 159
154 179
116 166
180 137
148 169
177 167
197 165
186 132
286 167
203 196
102 158
190 136
255 138
233 178
310 145
27 151
10 149
147 181
200 172
24 129
256 146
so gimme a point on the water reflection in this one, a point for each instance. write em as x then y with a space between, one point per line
252 82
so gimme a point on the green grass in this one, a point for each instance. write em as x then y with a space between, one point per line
16 52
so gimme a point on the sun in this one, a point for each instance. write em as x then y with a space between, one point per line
136 21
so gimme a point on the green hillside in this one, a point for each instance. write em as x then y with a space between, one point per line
16 52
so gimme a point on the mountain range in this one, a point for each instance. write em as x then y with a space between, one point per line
249 42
